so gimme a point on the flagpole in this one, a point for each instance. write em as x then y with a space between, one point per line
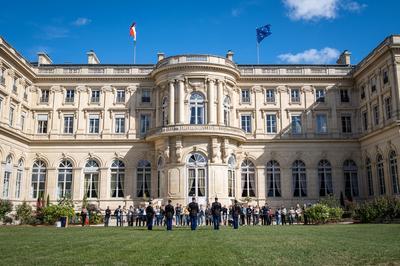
134 52
258 53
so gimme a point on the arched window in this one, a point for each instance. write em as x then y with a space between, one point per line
393 171
160 173
299 179
196 104
64 188
38 179
227 110
248 179
273 179
325 178
18 181
164 111
231 176
381 174
197 164
143 179
7 175
350 179
117 179
91 179
370 183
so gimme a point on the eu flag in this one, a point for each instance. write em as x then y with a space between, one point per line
263 32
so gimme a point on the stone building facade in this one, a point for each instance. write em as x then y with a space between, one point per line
199 125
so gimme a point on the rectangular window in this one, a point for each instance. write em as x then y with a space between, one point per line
362 92
346 124
14 86
295 95
119 124
22 121
373 84
246 123
95 97
94 122
2 79
344 96
11 117
385 77
120 96
388 107
68 124
320 95
44 96
1 104
42 123
296 124
322 124
375 110
271 123
146 96
365 120
70 96
18 183
6 184
144 123
245 96
270 96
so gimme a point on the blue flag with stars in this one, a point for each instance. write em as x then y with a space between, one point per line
263 32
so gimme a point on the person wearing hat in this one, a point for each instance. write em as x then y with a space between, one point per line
216 213
193 209
169 214
150 216
236 210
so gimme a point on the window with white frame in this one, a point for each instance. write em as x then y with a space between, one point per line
42 123
346 123
1 104
227 110
14 85
322 123
94 123
388 107
375 110
143 179
2 79
70 96
120 97
18 180
373 84
295 95
95 96
117 179
196 107
144 123
380 172
271 123
22 121
8 168
68 124
245 95
350 179
299 179
11 116
325 178
164 111
38 183
394 172
231 176
370 183
91 172
146 96
365 120
64 187
119 123
296 124
246 123
273 179
270 95
44 98
248 183
320 95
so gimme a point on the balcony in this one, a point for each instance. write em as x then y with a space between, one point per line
196 130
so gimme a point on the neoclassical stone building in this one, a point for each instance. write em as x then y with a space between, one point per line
199 125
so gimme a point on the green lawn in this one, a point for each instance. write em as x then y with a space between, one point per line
282 245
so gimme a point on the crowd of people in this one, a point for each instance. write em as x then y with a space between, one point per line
194 215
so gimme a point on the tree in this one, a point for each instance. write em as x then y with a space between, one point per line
5 207
24 213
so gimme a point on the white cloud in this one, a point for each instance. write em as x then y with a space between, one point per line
312 56
319 9
81 21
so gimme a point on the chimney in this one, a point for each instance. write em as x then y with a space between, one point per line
344 58
160 56
92 58
229 55
44 59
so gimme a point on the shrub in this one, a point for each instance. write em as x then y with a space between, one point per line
95 216
7 220
330 201
5 207
24 213
53 213
382 209
321 213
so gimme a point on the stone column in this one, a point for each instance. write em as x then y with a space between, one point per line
171 107
157 115
103 184
220 99
181 88
51 184
77 184
211 106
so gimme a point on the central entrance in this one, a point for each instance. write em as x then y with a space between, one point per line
197 177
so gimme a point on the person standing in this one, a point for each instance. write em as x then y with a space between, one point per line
107 217
249 213
178 211
283 215
193 209
118 215
216 209
236 212
150 216
131 213
169 214
224 215
84 216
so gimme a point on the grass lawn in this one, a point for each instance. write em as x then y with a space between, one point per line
283 245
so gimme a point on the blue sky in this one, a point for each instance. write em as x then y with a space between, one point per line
303 31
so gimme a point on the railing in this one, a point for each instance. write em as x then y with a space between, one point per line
180 59
306 70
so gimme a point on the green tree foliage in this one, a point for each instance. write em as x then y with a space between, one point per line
24 213
5 207
382 209
321 213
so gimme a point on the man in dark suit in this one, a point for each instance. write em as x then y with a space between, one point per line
216 213
169 214
150 216
118 215
193 209
236 211
107 217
